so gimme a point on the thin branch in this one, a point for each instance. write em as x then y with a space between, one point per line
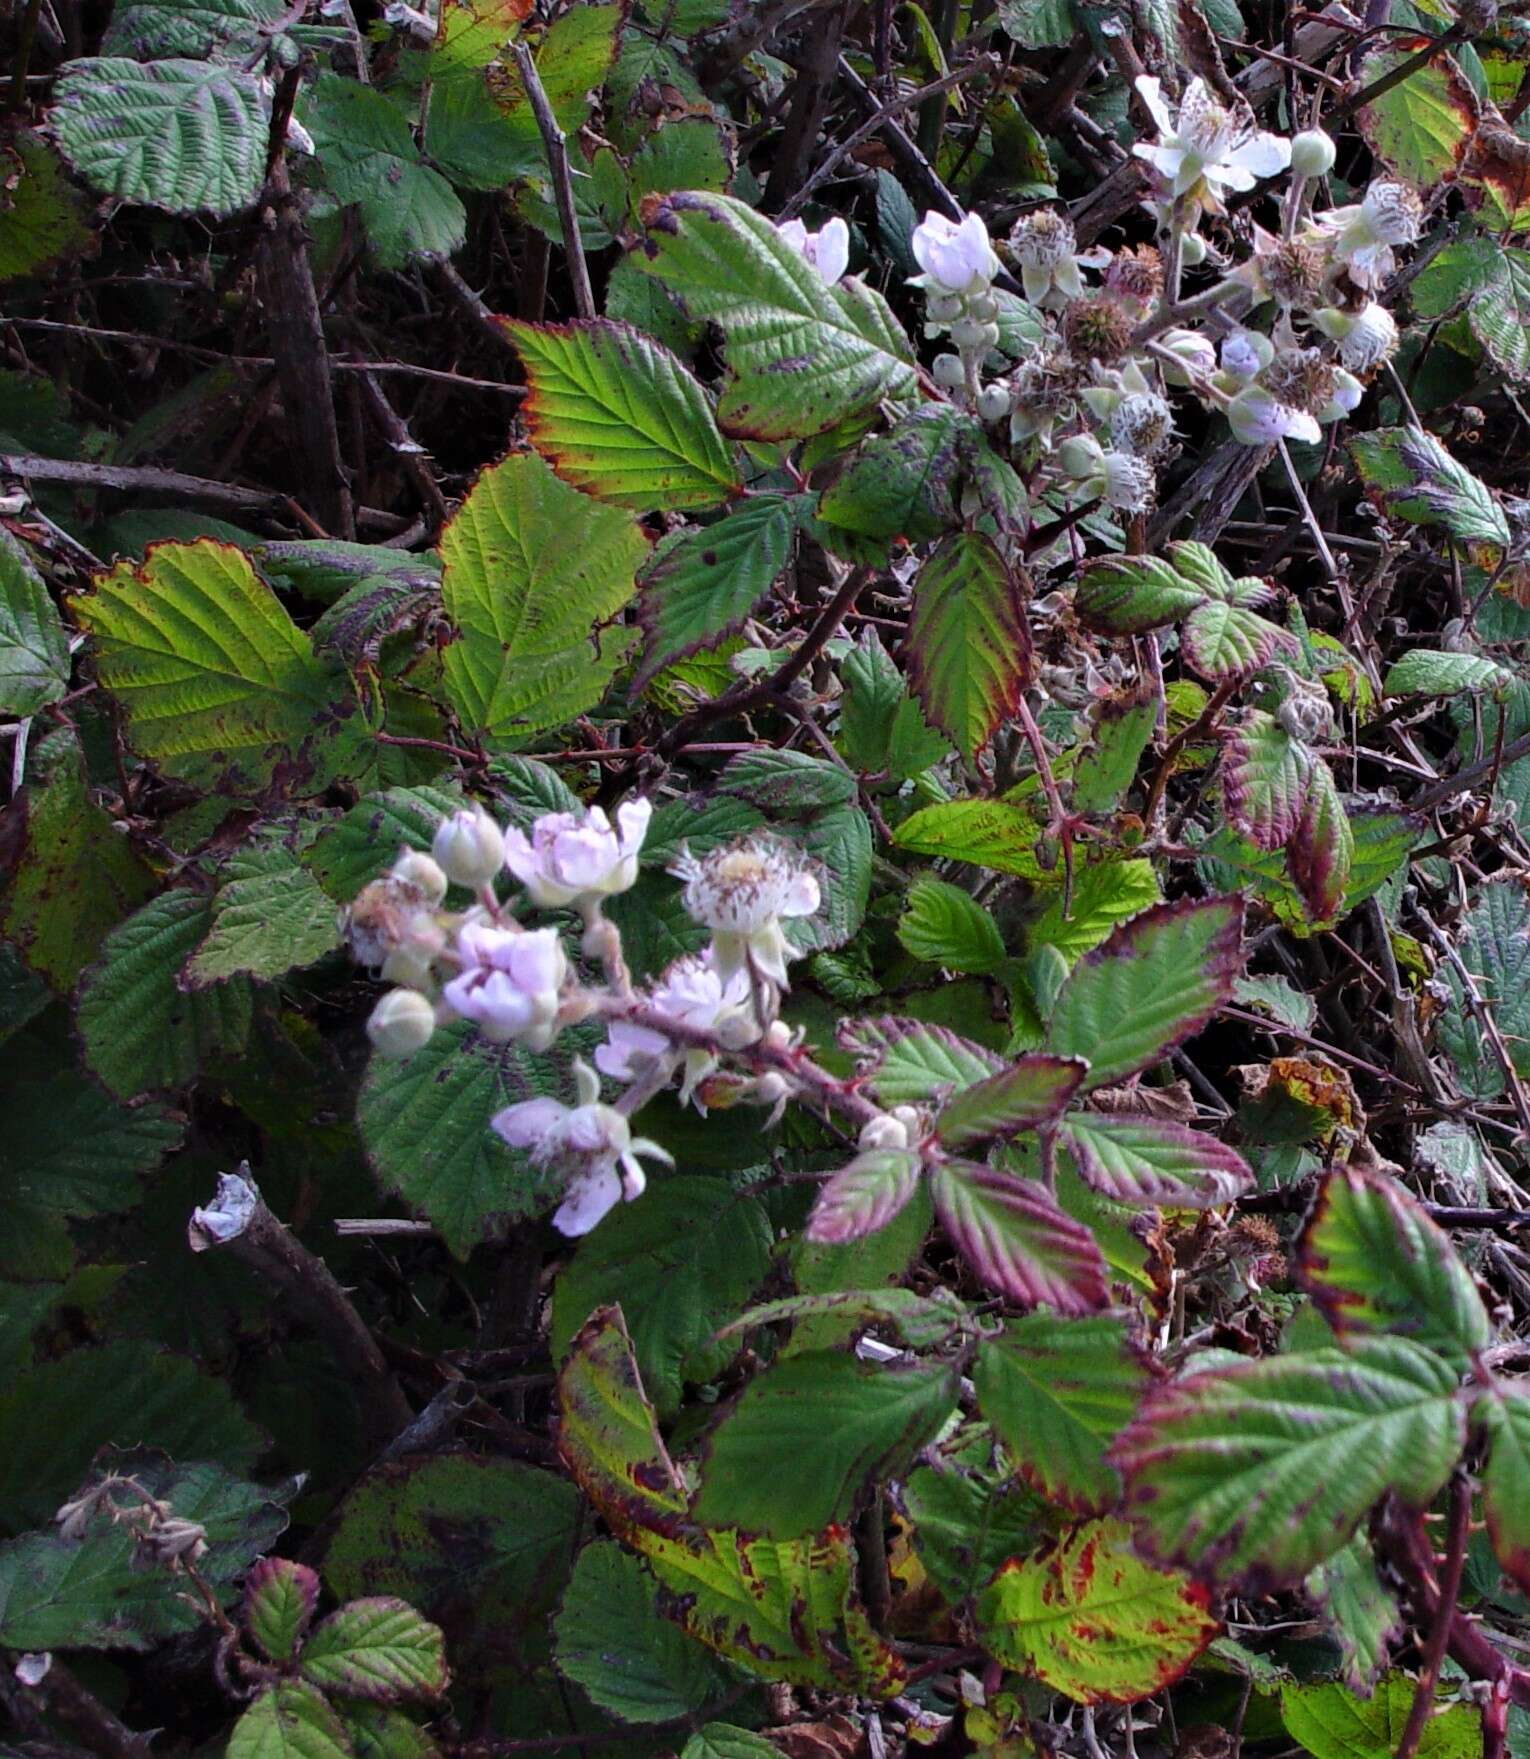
556 145
1454 1563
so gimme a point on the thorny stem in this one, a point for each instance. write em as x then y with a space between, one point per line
1060 820
1445 1612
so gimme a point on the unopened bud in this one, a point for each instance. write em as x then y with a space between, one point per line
1312 153
942 307
470 848
993 402
948 371
883 1132
415 868
1081 456
401 1024
1192 250
170 1541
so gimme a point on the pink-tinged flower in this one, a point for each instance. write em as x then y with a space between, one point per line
510 982
571 857
741 892
469 847
827 249
1258 418
693 994
1204 148
955 259
592 1142
1390 214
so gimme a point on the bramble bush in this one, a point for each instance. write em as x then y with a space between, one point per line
766 951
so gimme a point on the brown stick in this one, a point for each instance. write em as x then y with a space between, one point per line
556 145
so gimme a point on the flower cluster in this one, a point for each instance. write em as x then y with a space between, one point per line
520 984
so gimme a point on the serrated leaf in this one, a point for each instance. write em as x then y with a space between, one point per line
1146 1160
947 926
881 727
1028 1095
803 356
702 586
528 602
1320 852
280 1598
611 1639
1120 728
1330 1722
41 220
425 1125
357 624
1494 946
1222 641
809 1433
362 845
289 1720
1129 595
923 1322
187 136
906 1062
1420 127
1424 672
969 641
616 415
684 1261
378 1732
217 684
720 1740
900 484
140 1029
1363 1615
34 651
988 833
1058 1391
1414 476
1017 1240
969 1522
864 1196
1254 1475
1091 1620
1153 983
1266 776
231 30
1376 1263
378 1648
1104 894
1503 1411
270 918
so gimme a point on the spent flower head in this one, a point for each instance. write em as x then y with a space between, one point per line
742 892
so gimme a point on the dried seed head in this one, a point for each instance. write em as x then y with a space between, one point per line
1393 212
1142 424
1097 328
1135 275
1300 377
1292 270
1041 240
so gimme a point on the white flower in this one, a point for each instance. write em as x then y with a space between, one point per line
827 249
1365 338
955 259
1042 246
1127 483
509 983
1389 215
469 847
593 1142
572 857
401 1024
1258 418
693 994
1205 148
741 892
415 868
1345 397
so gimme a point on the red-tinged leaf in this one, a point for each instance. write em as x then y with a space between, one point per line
1091 1620
1031 1092
617 415
1266 775
1222 640
864 1196
279 1602
1128 595
1504 1413
1151 984
969 643
1152 1160
1375 1262
1321 849
1017 1240
910 1062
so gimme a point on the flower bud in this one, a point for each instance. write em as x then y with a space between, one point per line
947 371
1196 354
470 848
993 402
415 868
883 1132
971 333
1312 153
401 1023
1192 250
1081 456
982 306
942 307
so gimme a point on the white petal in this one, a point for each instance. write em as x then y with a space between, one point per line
1166 161
1151 93
1266 155
795 234
833 256
1037 282
528 1122
802 897
588 1200
1228 176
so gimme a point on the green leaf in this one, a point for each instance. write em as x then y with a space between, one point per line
1028 1095
1147 1160
1153 983
1121 727
682 1262
1091 1620
1279 998
141 1030
1415 477
900 484
1363 1615
1375 1263
378 1732
701 586
947 926
969 641
1494 947
1504 1413
1330 1722
1058 1391
863 1197
922 1322
34 651
217 684
968 1522
1104 894
803 356
280 1598
1227 641
1256 1474
792 1455
611 1639
188 136
1266 780
528 600
229 30
1424 672
77 875
378 1648
42 221
270 918
362 845
720 1740
368 156
1017 1240
908 1062
616 415
988 833
1129 595
131 1392
289 1721
1419 128
425 1125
